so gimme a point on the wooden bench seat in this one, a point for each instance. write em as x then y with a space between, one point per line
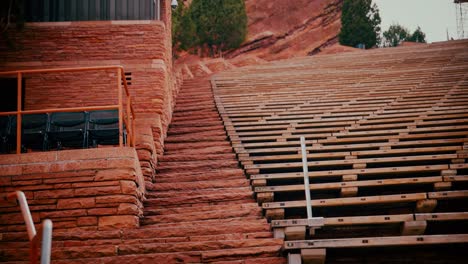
424 202
340 185
369 220
360 172
367 200
354 160
407 224
358 154
291 146
377 241
379 199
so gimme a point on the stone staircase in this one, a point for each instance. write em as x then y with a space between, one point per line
200 209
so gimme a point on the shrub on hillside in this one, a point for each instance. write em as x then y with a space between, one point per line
360 23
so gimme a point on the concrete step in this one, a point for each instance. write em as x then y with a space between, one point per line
194 157
194 166
196 123
161 188
200 116
204 215
171 147
197 228
267 255
205 247
198 209
231 196
197 192
181 177
201 137
193 130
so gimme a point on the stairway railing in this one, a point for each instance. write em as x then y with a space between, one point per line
45 231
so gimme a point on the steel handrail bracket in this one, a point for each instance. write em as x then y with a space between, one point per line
313 222
45 230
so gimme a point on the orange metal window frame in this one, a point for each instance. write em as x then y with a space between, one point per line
129 121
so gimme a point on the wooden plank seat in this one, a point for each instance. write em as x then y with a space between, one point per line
353 147
372 219
245 157
423 202
370 226
379 199
353 160
315 251
377 241
360 172
359 154
292 134
328 139
358 184
367 200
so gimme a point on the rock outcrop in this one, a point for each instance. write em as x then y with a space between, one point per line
283 29
279 29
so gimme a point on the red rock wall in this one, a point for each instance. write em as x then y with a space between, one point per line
279 29
93 189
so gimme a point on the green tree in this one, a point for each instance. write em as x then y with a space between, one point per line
220 25
360 23
184 35
396 34
418 36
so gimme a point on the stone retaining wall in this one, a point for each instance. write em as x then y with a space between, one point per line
92 189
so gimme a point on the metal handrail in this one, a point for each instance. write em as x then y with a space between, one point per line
121 81
45 230
305 169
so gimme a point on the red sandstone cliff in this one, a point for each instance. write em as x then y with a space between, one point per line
281 29
278 29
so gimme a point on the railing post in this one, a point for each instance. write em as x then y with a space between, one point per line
46 241
133 130
45 231
23 203
305 168
119 89
129 120
18 112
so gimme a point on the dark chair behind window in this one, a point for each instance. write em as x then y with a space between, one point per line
5 125
68 130
104 128
34 131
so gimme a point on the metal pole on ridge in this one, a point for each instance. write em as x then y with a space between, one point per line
305 168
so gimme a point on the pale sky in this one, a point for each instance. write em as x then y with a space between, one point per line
433 16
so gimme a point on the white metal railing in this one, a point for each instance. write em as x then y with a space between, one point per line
45 231
305 168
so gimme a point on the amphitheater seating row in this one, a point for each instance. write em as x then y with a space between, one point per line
61 130
387 149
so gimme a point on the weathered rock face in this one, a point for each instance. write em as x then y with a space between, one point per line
281 29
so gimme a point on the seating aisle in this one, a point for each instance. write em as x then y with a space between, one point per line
201 197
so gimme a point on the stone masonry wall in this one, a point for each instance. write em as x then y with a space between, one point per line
71 89
143 48
92 189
